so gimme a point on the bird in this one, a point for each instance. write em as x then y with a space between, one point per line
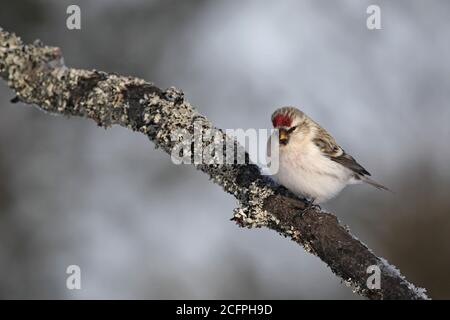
311 164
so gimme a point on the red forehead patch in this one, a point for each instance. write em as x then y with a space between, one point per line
282 120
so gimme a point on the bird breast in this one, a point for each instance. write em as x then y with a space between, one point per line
307 172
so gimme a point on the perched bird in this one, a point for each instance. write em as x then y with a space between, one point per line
311 163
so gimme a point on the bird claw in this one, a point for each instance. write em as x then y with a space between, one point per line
309 206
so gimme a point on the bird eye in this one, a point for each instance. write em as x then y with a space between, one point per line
290 130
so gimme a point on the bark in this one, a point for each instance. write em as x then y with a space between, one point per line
38 76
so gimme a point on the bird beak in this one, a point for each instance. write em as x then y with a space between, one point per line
283 136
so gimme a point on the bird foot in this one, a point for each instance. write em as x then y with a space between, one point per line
311 205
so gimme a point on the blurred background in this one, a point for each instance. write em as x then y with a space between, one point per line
141 227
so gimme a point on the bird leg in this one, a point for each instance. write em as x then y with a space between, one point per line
309 206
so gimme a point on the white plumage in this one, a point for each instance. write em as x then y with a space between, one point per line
311 164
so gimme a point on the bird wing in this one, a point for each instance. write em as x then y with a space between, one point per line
328 146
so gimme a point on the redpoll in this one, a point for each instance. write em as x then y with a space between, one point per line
311 163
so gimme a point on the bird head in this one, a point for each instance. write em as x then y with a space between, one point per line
288 121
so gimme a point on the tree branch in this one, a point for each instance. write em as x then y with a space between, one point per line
38 76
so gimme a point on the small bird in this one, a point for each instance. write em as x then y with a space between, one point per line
311 163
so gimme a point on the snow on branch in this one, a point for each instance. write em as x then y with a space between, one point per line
38 76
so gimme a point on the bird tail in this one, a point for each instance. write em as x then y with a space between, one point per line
375 184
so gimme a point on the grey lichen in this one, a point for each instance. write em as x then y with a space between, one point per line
38 76
251 213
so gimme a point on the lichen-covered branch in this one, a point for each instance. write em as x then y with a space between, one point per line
38 76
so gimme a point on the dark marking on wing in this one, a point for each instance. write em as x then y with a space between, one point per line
328 146
349 162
